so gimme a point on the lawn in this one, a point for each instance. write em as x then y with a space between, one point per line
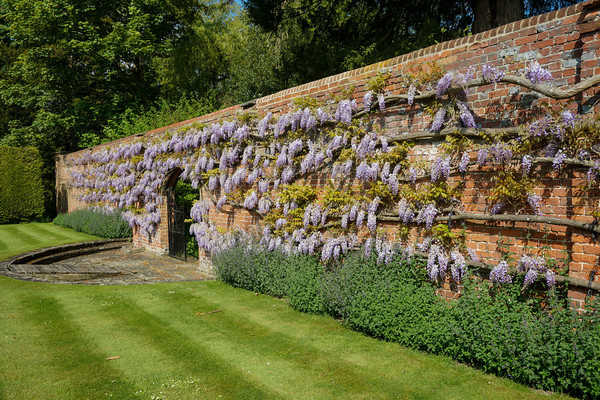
162 341
20 238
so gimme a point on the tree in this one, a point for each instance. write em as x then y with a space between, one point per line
488 14
323 37
78 63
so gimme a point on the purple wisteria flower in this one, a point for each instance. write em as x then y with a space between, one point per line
497 208
527 263
526 163
500 273
472 254
319 158
315 215
559 158
372 222
353 212
372 208
384 144
464 162
492 74
444 84
482 155
541 127
381 101
530 277
344 221
360 217
263 186
280 223
458 267
393 184
438 120
535 202
251 201
412 174
440 168
550 278
264 205
288 174
412 90
264 124
536 74
568 119
501 152
343 112
402 208
322 115
347 167
368 100
221 202
427 215
465 115
295 147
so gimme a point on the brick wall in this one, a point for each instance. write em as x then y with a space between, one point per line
566 42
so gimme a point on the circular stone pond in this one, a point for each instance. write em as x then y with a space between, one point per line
105 262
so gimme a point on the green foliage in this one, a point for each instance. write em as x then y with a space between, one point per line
163 113
511 188
501 330
303 102
301 194
250 267
378 83
21 190
326 37
303 283
102 223
81 64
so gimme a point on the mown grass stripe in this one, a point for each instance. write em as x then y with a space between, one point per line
220 377
258 330
21 350
78 363
26 235
51 232
21 238
254 344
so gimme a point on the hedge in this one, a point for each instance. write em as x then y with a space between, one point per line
21 190
105 223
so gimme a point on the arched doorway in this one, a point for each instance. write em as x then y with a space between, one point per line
176 214
180 199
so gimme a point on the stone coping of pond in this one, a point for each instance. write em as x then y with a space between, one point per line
103 262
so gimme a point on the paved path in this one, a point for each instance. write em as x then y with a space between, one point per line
124 266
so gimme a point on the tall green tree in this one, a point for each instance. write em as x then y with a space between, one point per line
323 37
78 63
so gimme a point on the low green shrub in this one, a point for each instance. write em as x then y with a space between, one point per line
503 330
98 222
249 266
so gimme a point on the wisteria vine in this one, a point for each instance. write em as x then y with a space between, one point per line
265 166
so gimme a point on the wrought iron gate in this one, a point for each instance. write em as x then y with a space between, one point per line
177 234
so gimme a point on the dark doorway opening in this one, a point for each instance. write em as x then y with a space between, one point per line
176 214
180 199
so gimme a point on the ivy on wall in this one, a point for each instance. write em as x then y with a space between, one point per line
367 176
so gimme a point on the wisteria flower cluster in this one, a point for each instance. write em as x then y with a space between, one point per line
250 163
533 267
